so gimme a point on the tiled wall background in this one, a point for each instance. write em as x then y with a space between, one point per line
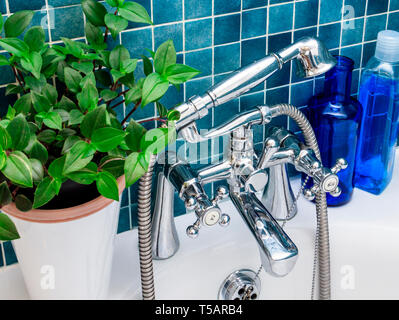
217 37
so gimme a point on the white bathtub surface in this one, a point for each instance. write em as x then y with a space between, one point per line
364 240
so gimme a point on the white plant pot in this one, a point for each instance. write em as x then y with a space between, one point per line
67 253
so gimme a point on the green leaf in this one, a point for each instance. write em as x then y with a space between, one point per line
113 165
18 169
72 79
106 139
53 120
40 102
17 23
135 167
5 194
85 67
88 98
69 143
75 117
134 12
50 92
154 88
37 170
3 60
94 11
95 36
36 84
179 73
15 46
5 139
23 104
108 94
112 3
117 56
116 75
98 118
154 141
23 203
165 56
19 131
47 136
35 38
107 185
128 66
133 95
135 132
115 24
86 175
8 231
33 63
78 157
66 104
13 89
148 68
162 111
56 168
46 191
1 23
3 159
38 151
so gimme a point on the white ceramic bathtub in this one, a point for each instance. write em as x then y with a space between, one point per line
364 237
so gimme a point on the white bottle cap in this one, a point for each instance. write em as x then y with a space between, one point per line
387 48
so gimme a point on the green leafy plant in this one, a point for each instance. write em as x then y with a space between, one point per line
63 126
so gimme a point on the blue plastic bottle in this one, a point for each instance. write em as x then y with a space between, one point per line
335 117
379 96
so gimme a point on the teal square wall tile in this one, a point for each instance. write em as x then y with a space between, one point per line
374 24
134 215
278 41
198 34
254 23
172 32
66 22
62 3
227 29
368 52
125 198
198 86
179 208
377 6
281 18
225 112
249 4
1 259
3 8
354 8
394 5
167 11
40 18
301 93
223 6
250 101
330 11
227 58
137 41
141 113
17 5
393 23
352 31
306 13
124 220
330 35
258 134
280 1
353 52
279 78
252 50
6 74
201 60
197 8
173 97
277 95
307 32
9 252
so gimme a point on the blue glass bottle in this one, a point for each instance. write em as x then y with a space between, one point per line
335 117
379 96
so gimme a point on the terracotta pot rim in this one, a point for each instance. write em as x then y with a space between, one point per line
66 214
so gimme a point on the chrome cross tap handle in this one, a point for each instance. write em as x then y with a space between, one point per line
207 211
325 179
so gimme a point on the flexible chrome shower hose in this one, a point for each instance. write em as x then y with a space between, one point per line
144 228
322 243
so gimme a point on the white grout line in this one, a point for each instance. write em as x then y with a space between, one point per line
3 253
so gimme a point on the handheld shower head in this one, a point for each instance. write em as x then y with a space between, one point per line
311 55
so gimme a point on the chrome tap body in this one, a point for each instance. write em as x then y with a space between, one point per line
245 172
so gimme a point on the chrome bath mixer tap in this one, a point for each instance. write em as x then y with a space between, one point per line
258 185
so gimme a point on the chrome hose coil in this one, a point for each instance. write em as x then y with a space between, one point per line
322 242
144 228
